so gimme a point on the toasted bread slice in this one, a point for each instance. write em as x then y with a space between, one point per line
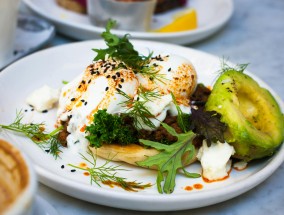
130 154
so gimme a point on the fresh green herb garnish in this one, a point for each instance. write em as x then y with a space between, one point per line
208 125
107 128
225 67
137 109
182 118
107 173
153 74
170 159
65 82
121 49
35 132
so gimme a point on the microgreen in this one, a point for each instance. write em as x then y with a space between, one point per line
208 125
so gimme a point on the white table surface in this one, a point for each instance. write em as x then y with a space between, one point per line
254 35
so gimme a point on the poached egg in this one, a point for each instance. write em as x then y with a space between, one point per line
98 88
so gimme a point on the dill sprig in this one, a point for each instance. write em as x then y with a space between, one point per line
35 132
137 107
153 74
106 174
225 67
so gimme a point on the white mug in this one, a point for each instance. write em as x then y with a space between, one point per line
8 22
18 182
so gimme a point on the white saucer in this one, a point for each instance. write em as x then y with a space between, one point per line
212 16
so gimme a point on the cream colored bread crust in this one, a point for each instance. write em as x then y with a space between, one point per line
130 154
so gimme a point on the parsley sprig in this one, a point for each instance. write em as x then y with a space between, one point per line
121 49
107 173
47 141
170 158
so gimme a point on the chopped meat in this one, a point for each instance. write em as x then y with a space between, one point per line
62 135
161 135
200 95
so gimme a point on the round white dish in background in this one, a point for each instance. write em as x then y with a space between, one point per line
66 62
212 16
32 33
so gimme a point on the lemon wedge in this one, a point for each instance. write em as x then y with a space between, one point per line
184 21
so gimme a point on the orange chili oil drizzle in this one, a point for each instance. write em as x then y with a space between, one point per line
216 180
195 186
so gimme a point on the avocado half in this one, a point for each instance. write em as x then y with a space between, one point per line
254 119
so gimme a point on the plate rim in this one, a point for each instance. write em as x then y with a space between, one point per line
52 180
139 35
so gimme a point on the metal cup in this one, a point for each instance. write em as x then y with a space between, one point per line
130 15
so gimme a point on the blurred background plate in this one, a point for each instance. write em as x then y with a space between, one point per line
32 33
212 16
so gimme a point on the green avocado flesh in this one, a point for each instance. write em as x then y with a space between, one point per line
254 119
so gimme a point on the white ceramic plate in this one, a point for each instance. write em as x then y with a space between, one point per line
212 15
54 65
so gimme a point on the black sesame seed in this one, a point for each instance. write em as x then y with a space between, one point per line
118 74
44 111
79 86
32 109
47 150
26 110
82 100
73 99
89 81
106 88
169 69
122 80
119 85
70 116
85 103
62 166
113 77
73 170
83 82
108 76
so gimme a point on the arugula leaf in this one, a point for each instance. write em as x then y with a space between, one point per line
207 124
170 159
121 49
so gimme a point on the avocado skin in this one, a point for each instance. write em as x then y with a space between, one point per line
254 119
